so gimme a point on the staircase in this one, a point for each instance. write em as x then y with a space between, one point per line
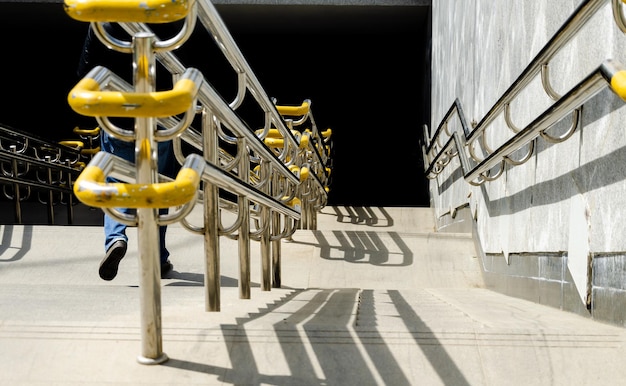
372 297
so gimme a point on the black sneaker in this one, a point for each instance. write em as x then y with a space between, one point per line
108 265
166 268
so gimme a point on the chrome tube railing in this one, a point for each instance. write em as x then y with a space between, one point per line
479 168
29 162
264 195
224 114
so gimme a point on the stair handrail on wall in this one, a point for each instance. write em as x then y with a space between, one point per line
477 169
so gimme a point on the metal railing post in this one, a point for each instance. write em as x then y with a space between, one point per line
211 216
146 159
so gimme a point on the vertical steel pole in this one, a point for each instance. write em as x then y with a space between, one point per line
146 160
266 247
211 213
244 228
276 280
16 188
70 195
48 159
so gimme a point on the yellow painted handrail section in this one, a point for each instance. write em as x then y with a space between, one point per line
86 132
86 98
127 11
294 111
618 84
91 189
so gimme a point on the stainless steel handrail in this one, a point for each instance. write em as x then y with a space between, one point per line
18 181
576 97
477 170
572 25
287 169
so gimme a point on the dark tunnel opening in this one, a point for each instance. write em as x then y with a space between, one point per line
365 69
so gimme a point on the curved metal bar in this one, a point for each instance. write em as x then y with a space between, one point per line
146 11
618 14
47 158
241 91
228 161
115 131
610 72
568 30
127 12
511 161
292 228
484 145
183 35
288 229
477 183
124 218
223 231
192 228
567 134
181 125
262 226
91 189
508 120
545 81
25 146
110 41
472 150
212 21
86 98
487 174
210 99
180 213
262 134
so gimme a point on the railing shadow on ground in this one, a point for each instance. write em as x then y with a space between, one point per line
21 250
364 215
355 246
321 353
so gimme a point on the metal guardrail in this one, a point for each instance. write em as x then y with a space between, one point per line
477 168
272 185
31 165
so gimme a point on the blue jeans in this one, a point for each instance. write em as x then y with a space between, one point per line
113 230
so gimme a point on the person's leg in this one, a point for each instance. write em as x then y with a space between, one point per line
115 239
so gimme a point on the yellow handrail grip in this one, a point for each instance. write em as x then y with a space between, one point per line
127 11
274 142
618 84
87 99
294 202
304 173
327 133
304 141
293 111
78 144
274 133
87 132
91 189
90 151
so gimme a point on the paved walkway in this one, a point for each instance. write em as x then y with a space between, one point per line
371 298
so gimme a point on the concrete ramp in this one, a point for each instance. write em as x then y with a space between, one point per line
370 298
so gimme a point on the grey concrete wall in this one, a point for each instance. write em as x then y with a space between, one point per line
569 198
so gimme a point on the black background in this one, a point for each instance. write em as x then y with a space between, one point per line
365 69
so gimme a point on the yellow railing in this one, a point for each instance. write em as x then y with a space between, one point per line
289 183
